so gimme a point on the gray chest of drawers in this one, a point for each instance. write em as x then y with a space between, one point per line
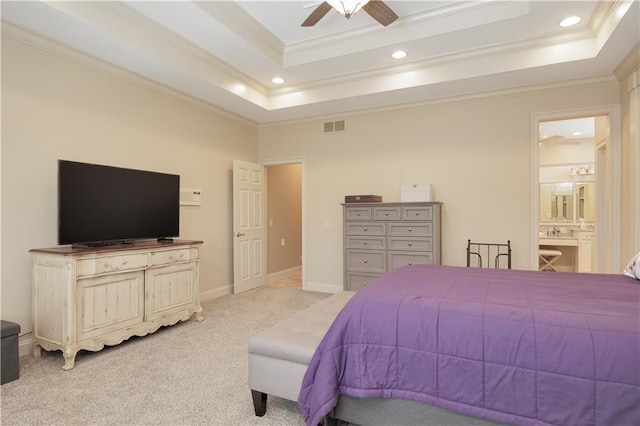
380 237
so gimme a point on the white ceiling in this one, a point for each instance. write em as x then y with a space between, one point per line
225 53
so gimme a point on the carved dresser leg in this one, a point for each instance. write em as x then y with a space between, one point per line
259 402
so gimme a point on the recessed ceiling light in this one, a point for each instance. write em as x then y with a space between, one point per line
399 54
570 21
576 133
277 80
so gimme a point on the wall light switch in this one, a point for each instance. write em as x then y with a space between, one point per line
282 242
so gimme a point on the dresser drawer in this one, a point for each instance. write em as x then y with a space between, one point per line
357 280
364 242
170 256
410 229
106 264
358 213
386 213
366 261
365 229
399 259
410 243
417 213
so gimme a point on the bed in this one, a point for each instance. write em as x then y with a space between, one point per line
509 346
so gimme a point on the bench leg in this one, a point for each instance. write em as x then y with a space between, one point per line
259 402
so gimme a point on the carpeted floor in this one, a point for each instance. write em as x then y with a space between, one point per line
193 373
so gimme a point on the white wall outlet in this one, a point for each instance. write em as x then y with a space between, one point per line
282 242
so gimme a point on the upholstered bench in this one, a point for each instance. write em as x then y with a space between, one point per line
279 356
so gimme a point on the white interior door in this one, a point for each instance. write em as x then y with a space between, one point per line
249 231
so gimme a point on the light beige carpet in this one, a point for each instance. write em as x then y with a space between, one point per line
193 373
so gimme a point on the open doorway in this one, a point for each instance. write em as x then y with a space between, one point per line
575 189
284 225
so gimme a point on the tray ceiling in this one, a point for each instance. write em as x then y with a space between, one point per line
226 53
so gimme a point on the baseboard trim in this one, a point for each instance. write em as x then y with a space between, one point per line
205 296
322 287
285 273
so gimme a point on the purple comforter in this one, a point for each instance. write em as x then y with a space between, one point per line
519 347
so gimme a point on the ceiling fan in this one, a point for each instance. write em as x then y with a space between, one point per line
375 8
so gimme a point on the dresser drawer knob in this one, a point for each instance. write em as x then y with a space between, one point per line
386 213
365 243
409 229
417 213
366 229
357 213
366 261
410 263
410 244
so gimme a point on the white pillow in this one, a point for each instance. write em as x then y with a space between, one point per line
633 268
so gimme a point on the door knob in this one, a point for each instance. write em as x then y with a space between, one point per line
239 234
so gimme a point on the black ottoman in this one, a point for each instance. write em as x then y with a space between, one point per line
9 352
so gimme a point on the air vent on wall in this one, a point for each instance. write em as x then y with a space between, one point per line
334 126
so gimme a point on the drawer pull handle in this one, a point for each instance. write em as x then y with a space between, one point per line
386 213
357 213
410 244
365 243
410 263
366 229
366 261
417 213
409 229
365 284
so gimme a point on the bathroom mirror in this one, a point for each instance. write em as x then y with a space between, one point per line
567 202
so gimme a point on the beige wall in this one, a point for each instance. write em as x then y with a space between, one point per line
284 210
475 153
628 73
53 108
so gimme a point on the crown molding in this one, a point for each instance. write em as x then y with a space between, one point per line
483 94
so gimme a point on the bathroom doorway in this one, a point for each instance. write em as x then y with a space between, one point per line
574 189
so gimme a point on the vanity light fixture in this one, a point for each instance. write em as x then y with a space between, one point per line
277 80
570 21
399 54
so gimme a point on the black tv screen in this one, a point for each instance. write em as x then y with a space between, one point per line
109 205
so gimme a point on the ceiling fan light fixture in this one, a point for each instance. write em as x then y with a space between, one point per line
347 8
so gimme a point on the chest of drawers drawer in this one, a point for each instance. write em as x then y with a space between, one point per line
410 243
355 228
358 213
367 261
399 259
366 242
106 264
417 213
170 256
410 229
386 213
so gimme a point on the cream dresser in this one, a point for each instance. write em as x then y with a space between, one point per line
88 298
380 237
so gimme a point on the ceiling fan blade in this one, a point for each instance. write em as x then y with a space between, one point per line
317 14
380 12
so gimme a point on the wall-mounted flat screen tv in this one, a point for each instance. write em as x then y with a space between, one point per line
103 205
